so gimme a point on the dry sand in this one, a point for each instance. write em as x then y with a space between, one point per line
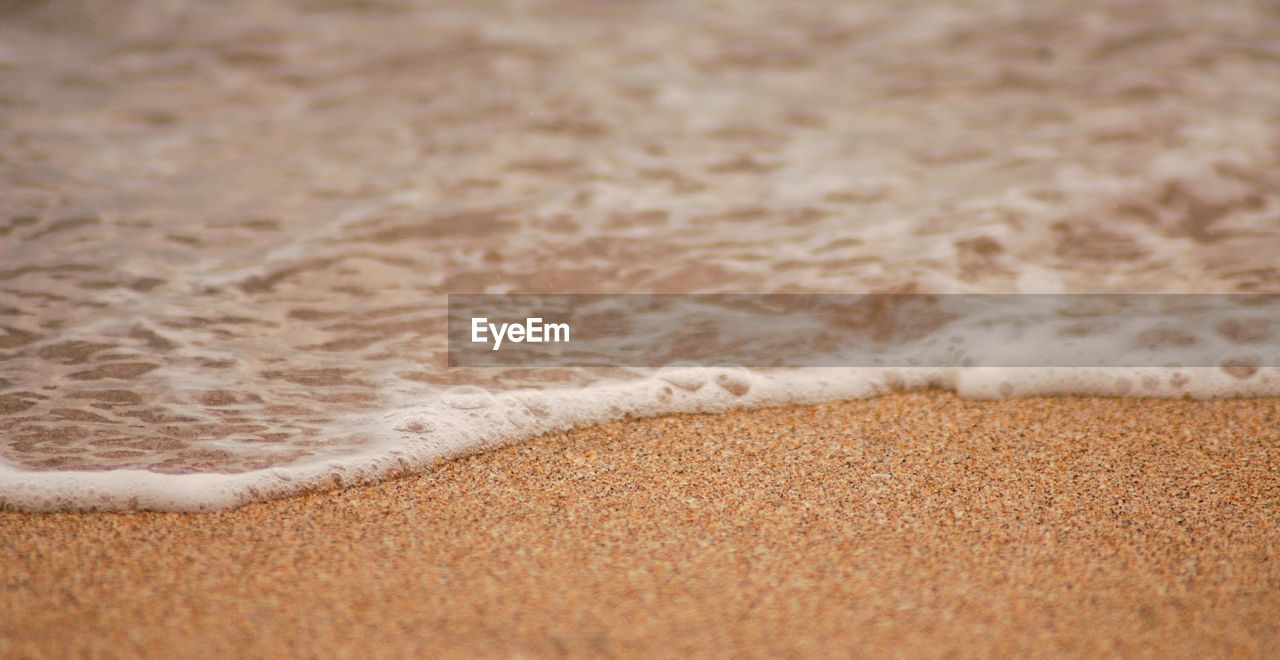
910 524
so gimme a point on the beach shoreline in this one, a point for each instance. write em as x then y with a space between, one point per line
917 523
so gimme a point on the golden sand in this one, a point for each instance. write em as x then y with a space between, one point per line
909 524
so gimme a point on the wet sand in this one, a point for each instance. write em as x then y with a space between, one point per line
909 524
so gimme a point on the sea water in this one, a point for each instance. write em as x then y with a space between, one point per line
227 231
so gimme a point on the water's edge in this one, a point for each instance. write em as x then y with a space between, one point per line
413 439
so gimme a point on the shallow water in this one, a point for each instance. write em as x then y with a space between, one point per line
226 233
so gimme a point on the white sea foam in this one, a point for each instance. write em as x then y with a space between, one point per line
467 419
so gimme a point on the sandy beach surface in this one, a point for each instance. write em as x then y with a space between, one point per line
914 524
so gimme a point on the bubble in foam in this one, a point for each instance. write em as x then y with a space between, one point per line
416 426
1240 368
536 403
734 380
686 377
467 397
